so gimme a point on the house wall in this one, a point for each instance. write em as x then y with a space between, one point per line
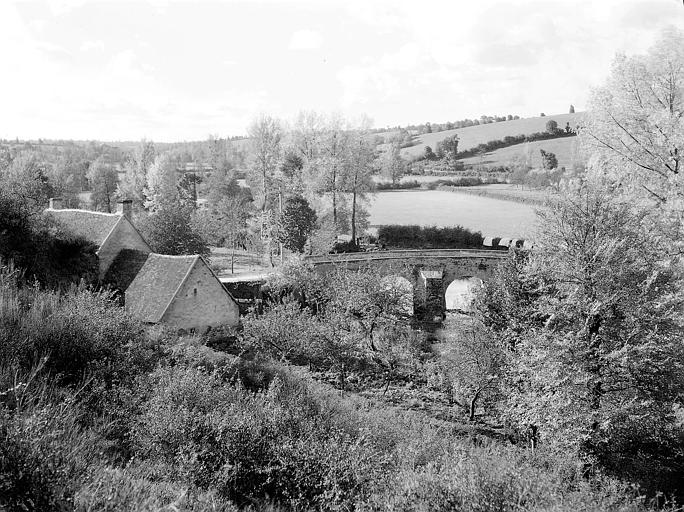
124 236
202 302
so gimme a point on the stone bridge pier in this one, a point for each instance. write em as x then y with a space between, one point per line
429 272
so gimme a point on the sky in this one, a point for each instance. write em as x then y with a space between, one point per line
183 70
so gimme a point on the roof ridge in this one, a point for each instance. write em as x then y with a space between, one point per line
175 293
93 212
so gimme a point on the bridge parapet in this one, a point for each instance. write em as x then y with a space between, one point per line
407 254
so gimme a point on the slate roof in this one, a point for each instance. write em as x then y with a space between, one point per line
157 283
93 226
124 268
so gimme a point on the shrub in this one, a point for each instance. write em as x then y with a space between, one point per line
417 237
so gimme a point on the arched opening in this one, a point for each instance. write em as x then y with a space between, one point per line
460 293
404 287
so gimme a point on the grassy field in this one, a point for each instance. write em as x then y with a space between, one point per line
565 150
492 217
473 135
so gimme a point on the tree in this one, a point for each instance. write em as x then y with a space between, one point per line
265 135
448 148
358 179
392 165
27 179
549 160
551 126
572 109
296 223
635 122
162 182
169 230
103 179
598 364
429 154
136 166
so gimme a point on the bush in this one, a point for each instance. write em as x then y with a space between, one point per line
404 185
417 237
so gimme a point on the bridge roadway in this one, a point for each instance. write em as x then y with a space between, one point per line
405 255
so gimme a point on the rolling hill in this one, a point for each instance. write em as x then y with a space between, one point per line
473 135
564 148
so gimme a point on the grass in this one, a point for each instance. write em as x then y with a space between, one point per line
492 217
565 150
473 135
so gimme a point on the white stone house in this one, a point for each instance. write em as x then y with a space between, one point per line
181 291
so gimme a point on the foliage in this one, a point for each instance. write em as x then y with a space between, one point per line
549 160
102 178
448 148
403 185
551 126
162 189
418 237
296 223
636 121
169 230
26 179
392 165
598 365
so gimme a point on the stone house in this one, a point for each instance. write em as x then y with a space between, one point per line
109 232
181 291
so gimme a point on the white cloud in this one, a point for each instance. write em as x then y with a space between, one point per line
305 40
93 45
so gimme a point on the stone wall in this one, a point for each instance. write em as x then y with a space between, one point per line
202 302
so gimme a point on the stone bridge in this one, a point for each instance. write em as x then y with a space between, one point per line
429 271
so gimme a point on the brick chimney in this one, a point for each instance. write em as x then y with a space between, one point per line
55 203
125 208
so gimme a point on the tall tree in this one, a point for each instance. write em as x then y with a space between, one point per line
136 166
297 222
635 122
162 182
357 179
266 135
392 165
103 179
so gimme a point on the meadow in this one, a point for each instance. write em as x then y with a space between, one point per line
565 150
473 135
492 217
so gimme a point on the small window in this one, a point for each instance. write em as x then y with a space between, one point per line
194 292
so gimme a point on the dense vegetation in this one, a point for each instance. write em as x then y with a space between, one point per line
430 237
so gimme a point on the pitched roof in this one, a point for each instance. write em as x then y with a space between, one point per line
157 283
93 226
124 268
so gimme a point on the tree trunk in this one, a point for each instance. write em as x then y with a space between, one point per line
353 218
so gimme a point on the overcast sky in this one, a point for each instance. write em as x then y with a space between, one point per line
168 70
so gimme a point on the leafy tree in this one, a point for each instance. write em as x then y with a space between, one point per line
163 183
27 179
296 223
169 230
103 178
598 363
136 167
265 135
635 122
429 154
392 165
551 126
549 160
572 109
357 179
448 148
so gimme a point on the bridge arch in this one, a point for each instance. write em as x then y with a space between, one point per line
459 293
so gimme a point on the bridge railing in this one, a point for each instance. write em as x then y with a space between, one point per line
404 254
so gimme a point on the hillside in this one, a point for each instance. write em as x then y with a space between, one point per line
473 135
564 148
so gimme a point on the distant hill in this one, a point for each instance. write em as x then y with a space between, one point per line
564 148
473 135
